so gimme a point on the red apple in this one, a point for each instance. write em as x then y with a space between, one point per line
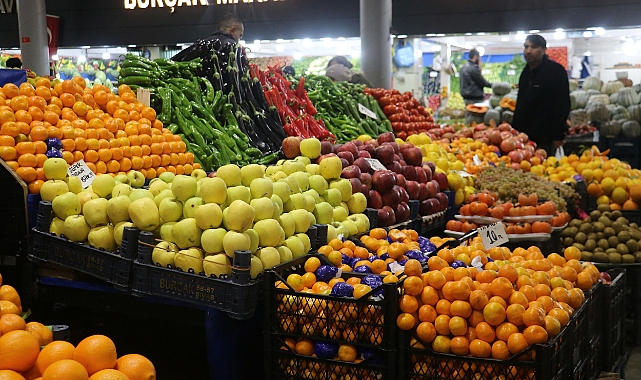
369 148
394 146
442 200
349 147
344 163
364 154
413 156
362 164
401 215
421 174
400 180
404 196
385 137
412 189
428 173
358 143
441 178
383 181
384 218
374 200
410 173
392 198
392 214
326 147
366 179
426 207
395 167
291 146
423 191
406 146
356 185
365 190
336 147
347 156
432 188
385 154
351 171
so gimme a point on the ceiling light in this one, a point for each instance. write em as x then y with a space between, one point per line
105 55
587 34
468 34
297 55
534 31
280 48
401 36
280 41
505 39
599 31
558 30
559 35
307 43
54 57
519 35
256 42
480 34
264 41
341 38
85 47
587 53
481 50
82 59
131 45
440 35
431 35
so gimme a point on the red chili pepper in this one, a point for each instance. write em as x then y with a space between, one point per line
300 89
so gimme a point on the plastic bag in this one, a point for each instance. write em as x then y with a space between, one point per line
559 153
404 54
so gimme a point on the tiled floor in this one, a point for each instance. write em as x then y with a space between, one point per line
633 367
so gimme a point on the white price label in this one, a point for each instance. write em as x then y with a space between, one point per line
595 136
82 171
433 74
446 118
462 173
144 96
366 111
477 160
511 72
375 164
485 71
493 235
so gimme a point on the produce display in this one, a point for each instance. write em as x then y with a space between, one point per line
28 351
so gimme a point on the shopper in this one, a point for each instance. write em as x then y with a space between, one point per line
472 82
13 63
230 29
340 69
543 103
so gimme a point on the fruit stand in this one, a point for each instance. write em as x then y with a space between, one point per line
330 225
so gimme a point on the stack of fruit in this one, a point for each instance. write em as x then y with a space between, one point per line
28 351
498 308
111 133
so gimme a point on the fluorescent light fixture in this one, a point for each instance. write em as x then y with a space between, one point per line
341 38
105 55
440 35
131 45
558 30
251 55
54 57
307 43
280 41
82 59
587 34
481 50
534 31
505 39
264 41
85 47
256 42
520 35
468 34
297 55
326 39
480 33
559 35
599 31
587 53
280 48
393 36
431 35
401 36
296 40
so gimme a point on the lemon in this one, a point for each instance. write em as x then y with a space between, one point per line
619 195
364 138
455 181
587 174
457 165
603 200
598 174
459 197
608 185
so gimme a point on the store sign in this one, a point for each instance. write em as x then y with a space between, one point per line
142 4
6 6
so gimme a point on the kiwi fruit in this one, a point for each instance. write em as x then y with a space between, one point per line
598 227
610 250
616 214
603 244
613 241
617 227
622 220
605 220
608 232
580 237
637 256
635 234
587 256
632 245
580 246
599 236
614 257
622 249
607 214
590 245
603 208
575 223
592 236
568 241
623 236
597 249
586 228
634 225
601 257
627 258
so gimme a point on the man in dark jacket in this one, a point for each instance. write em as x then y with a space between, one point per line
543 103
230 29
472 81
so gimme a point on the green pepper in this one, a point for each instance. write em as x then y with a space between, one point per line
135 79
165 97
130 71
182 123
173 128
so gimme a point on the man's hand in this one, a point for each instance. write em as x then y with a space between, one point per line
558 144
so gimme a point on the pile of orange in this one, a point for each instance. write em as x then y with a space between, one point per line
499 309
21 356
465 149
111 133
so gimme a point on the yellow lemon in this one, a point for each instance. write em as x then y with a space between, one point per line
455 181
621 182
611 173
598 173
619 195
587 174
603 200
364 138
459 197
608 185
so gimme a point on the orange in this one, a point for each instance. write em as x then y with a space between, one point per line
11 322
442 324
458 326
408 304
54 351
443 307
508 272
109 374
576 298
547 302
478 299
552 326
494 313
542 290
427 313
535 334
500 350
18 350
460 345
41 332
584 281
6 374
304 347
436 279
461 290
96 353
517 343
572 252
475 318
442 344
405 321
560 295
429 295
485 332
519 298
533 316
499 300
486 276
561 315
528 292
480 348
8 307
426 332
413 285
502 287
505 329
461 308
65 369
413 267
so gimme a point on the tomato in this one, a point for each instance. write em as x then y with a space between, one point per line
397 126
394 117
384 101
401 135
390 110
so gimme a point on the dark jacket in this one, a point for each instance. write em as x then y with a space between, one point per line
223 36
543 103
472 81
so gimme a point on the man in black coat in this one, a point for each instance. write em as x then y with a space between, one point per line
472 81
543 103
230 29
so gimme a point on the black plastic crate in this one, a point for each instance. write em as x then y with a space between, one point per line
613 327
115 268
580 334
553 361
633 216
283 363
433 223
625 150
367 321
237 296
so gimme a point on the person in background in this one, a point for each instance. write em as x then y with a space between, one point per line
13 63
340 69
472 82
230 29
543 103
288 70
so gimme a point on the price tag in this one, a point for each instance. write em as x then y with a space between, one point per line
595 136
375 164
511 72
462 173
366 111
447 118
433 74
485 71
144 96
477 160
82 171
493 235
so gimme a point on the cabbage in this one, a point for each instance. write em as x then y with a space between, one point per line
101 75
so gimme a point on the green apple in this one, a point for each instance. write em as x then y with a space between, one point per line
340 229
298 201
144 214
307 244
235 241
121 189
66 205
57 226
140 193
344 205
74 184
303 180
361 221
312 193
213 190
212 240
331 168
312 169
186 233
318 183
295 245
344 186
198 174
277 176
285 254
310 202
331 233
310 148
256 267
164 254
163 194
136 178
103 184
304 160
324 213
269 256
254 239
250 172
301 219
276 199
102 237
263 208
189 260
85 196
333 197
288 224
52 188
292 166
95 212
118 209
217 265
168 177
241 193
357 203
184 187
239 216
269 232
230 174
351 227
157 186
261 187
170 209
294 187
119 229
270 170
312 219
122 178
191 205
55 168
281 188
277 211
76 228
208 215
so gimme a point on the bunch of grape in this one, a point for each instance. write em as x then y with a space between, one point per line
508 183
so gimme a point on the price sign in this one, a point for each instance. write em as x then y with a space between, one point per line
477 160
462 173
375 164
485 71
433 74
446 118
493 235
595 136
511 72
366 111
144 96
82 171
